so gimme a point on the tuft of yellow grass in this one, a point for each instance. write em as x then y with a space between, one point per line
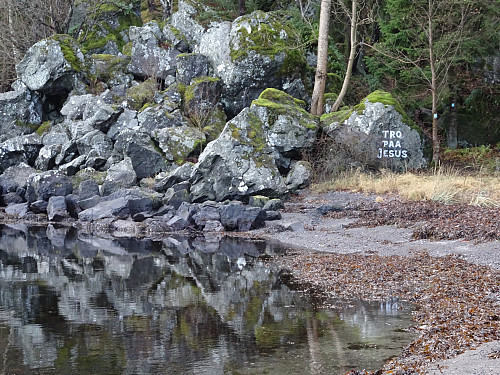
444 185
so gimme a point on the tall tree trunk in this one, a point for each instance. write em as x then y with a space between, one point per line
435 136
452 136
242 7
320 78
11 14
352 54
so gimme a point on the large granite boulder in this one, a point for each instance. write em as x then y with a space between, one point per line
15 177
247 157
42 186
378 134
18 109
288 126
238 163
52 66
149 58
24 148
251 54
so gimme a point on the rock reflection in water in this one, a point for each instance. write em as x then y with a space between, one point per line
72 303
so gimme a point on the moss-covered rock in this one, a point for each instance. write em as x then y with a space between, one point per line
108 66
256 51
238 164
178 143
139 95
201 100
110 33
53 65
379 121
377 96
289 127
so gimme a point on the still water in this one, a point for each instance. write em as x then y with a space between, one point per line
76 304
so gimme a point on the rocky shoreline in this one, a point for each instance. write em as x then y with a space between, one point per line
455 284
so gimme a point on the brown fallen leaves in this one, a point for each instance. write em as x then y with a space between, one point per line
431 220
458 304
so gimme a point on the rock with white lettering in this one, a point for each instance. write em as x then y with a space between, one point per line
376 134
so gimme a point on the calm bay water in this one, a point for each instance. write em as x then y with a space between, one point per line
76 304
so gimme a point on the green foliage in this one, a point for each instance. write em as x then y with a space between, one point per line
44 128
483 157
404 37
142 94
481 105
100 27
71 50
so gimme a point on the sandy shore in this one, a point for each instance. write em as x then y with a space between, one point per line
304 227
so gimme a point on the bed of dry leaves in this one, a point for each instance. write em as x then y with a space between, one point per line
435 221
458 304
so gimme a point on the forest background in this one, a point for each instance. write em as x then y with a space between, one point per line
437 57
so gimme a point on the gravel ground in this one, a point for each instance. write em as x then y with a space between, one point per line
347 223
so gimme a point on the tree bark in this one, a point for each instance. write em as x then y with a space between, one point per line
317 99
242 7
352 54
435 136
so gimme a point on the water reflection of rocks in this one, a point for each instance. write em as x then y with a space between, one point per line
74 303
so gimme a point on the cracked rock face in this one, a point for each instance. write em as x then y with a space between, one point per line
46 68
249 55
237 164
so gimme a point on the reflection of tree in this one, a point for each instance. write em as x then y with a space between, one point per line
316 364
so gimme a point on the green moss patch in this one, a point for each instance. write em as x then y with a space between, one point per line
142 94
103 32
108 65
377 96
44 128
70 50
269 34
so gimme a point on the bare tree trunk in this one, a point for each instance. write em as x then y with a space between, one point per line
316 365
352 54
320 78
242 7
452 136
435 136
12 32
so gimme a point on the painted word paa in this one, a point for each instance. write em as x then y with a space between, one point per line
391 145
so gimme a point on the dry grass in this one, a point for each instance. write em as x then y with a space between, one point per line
444 185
